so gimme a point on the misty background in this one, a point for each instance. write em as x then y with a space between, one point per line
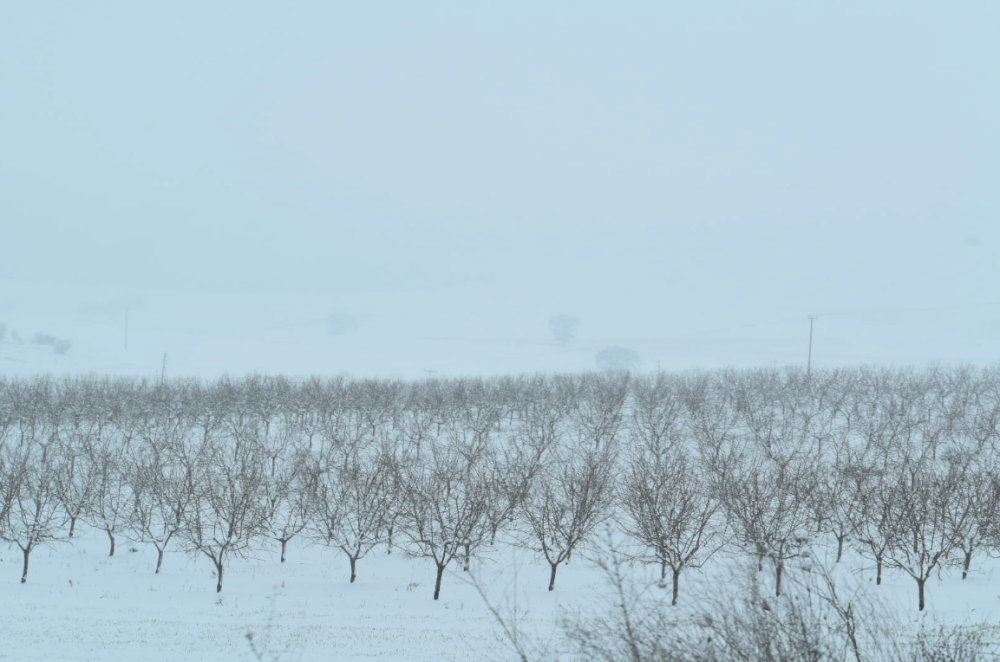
690 180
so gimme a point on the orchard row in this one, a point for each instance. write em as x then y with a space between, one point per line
900 465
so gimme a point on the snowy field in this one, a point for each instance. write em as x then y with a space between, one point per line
459 330
251 251
79 604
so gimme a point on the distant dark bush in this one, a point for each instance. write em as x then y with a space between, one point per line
59 345
617 359
43 339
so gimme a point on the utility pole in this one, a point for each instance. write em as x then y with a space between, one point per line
812 320
126 327
163 370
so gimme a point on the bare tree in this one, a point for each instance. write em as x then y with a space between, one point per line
513 465
74 489
32 516
563 327
229 512
11 474
925 534
81 419
30 509
842 491
597 412
669 510
766 501
445 511
566 503
973 511
351 502
163 482
111 504
978 416
288 492
875 525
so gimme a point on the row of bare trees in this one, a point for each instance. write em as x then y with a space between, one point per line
898 465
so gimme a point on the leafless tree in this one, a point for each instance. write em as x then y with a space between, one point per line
351 504
74 489
288 492
889 416
597 414
445 508
567 502
81 419
875 525
112 502
973 509
669 510
229 513
163 477
32 516
842 485
766 502
10 474
978 394
35 518
925 535
563 327
277 426
512 466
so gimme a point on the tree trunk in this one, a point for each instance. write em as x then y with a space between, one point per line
779 568
72 525
468 556
552 577
437 581
677 577
111 537
218 569
840 548
968 560
354 565
920 592
388 545
878 571
284 544
159 560
27 552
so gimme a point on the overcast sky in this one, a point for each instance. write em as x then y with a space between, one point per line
794 157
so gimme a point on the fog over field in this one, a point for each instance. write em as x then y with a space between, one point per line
690 181
625 256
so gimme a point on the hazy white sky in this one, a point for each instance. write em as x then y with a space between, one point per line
801 157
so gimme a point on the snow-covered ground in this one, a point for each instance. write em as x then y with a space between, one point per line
79 604
460 330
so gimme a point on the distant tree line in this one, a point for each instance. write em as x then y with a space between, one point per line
902 466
